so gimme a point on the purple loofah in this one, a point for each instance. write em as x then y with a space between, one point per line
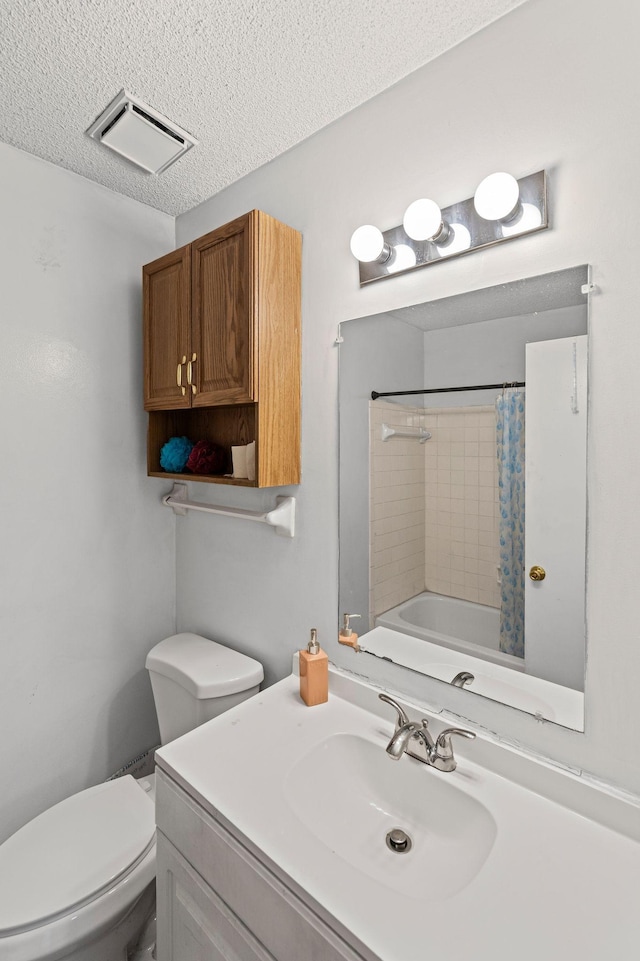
207 458
175 454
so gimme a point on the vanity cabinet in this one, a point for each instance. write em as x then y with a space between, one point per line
217 901
222 347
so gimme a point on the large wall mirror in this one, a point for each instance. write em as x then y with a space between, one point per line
463 490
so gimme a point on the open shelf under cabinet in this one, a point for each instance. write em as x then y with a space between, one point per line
226 426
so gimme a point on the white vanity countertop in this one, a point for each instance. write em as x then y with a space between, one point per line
555 885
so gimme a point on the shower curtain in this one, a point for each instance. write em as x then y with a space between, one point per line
510 450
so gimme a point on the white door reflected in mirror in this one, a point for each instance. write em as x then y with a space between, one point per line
556 494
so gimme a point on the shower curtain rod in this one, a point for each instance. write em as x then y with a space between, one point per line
445 390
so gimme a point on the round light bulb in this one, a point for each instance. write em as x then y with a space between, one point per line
367 243
422 219
497 197
403 257
530 219
459 240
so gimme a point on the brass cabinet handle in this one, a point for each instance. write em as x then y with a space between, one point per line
537 573
179 376
190 373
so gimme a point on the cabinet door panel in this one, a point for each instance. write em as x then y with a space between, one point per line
167 310
194 924
222 323
284 926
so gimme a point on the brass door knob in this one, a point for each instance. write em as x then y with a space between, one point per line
537 573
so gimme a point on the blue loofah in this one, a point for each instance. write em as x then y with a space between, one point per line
175 454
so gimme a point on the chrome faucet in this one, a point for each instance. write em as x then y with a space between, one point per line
437 754
464 677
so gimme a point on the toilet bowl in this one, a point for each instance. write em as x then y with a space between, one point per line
75 877
80 878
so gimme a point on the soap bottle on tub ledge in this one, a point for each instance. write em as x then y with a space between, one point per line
314 673
347 635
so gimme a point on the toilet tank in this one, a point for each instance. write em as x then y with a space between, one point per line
194 679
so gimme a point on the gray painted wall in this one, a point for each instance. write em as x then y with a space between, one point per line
490 352
548 86
87 551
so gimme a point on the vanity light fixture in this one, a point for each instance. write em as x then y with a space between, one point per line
501 209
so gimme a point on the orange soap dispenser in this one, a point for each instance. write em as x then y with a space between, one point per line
314 673
347 635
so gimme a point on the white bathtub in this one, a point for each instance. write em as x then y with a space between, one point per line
453 623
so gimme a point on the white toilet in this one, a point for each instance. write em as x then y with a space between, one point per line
81 875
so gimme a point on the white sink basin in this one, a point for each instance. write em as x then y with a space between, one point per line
349 793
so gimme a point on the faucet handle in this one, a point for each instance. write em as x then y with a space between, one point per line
443 755
444 740
402 717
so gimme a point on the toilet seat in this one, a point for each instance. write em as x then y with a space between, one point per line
73 852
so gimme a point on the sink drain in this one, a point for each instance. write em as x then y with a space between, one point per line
398 841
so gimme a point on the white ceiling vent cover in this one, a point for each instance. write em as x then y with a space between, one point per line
140 134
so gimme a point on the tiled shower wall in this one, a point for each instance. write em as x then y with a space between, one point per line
433 506
397 508
461 494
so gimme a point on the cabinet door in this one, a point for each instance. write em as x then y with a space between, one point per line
273 920
167 309
194 924
222 328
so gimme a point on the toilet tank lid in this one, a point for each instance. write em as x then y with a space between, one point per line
204 667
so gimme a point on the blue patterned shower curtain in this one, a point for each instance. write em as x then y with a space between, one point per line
510 449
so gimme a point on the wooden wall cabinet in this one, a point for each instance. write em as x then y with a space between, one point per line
222 347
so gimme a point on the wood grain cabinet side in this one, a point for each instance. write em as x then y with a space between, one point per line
222 346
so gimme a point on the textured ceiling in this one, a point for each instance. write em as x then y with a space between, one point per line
248 79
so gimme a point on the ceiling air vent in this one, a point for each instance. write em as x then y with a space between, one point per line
140 134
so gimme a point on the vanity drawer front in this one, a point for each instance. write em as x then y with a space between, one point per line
193 922
276 916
